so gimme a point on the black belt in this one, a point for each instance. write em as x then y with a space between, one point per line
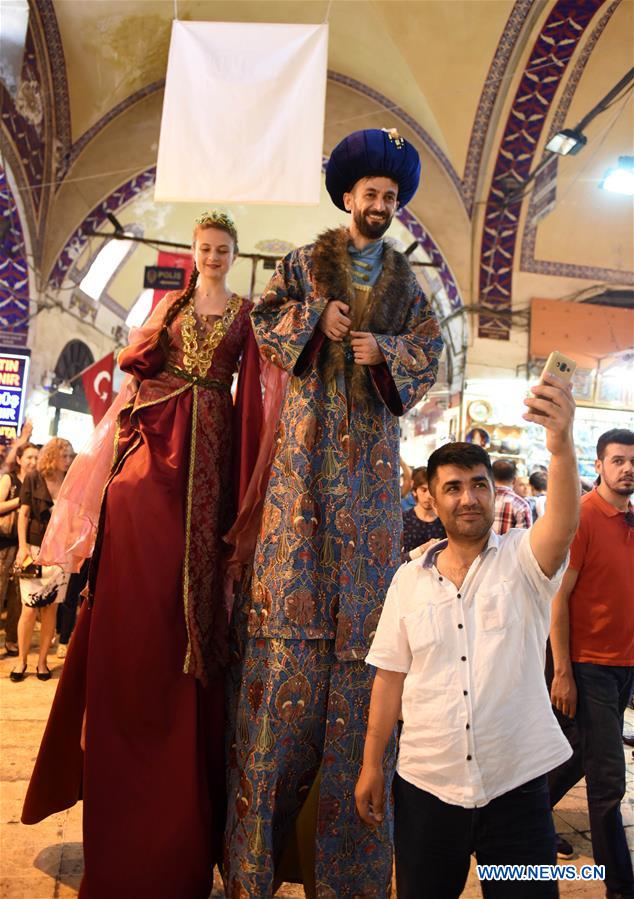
212 383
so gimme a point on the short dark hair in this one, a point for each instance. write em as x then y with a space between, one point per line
504 470
419 476
616 435
462 455
538 480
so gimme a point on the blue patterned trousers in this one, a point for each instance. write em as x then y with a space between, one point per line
301 711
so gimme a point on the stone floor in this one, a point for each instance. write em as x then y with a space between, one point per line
45 861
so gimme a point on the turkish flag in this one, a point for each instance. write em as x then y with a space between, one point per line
97 381
173 260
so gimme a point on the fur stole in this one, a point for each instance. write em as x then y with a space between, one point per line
385 311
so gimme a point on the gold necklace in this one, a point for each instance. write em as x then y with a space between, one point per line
197 355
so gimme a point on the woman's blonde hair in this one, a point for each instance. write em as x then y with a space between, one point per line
50 455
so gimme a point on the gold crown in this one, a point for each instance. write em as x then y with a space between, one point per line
218 217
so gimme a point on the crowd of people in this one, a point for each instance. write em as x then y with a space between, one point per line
250 640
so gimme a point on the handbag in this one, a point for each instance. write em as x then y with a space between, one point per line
39 584
9 521
32 569
9 524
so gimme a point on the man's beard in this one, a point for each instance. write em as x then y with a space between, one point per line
371 230
620 489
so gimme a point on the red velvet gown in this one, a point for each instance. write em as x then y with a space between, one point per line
152 776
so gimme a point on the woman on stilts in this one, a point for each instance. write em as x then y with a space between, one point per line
143 680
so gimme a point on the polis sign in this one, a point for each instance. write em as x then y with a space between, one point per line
14 374
163 277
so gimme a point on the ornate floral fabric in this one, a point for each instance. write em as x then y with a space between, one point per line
328 547
330 538
301 711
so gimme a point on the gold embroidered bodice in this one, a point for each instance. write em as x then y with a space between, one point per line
198 350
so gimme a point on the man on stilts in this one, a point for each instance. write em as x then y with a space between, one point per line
348 321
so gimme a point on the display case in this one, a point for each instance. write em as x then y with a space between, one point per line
495 408
589 424
493 418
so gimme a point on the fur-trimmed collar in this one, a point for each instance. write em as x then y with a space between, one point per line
387 305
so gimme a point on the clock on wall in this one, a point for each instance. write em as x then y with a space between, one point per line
479 410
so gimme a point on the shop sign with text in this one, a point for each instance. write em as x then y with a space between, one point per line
14 374
163 277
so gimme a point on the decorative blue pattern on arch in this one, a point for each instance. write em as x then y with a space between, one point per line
528 263
14 273
417 230
553 49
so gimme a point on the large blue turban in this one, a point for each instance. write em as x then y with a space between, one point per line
372 152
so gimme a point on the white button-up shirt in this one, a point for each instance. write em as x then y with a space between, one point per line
477 715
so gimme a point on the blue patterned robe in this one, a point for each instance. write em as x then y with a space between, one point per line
329 544
330 538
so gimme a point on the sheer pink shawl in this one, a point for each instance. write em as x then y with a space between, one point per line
70 535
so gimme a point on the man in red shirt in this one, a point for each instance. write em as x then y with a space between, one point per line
592 639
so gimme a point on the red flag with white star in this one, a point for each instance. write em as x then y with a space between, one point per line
97 381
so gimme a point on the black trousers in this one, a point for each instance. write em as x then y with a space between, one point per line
563 778
67 610
433 841
603 693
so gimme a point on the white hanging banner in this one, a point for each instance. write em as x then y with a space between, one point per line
243 114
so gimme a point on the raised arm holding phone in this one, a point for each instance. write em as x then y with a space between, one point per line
460 641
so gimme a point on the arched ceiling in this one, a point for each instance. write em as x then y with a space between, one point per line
134 136
448 73
447 76
116 49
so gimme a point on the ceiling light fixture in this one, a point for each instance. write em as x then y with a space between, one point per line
567 142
